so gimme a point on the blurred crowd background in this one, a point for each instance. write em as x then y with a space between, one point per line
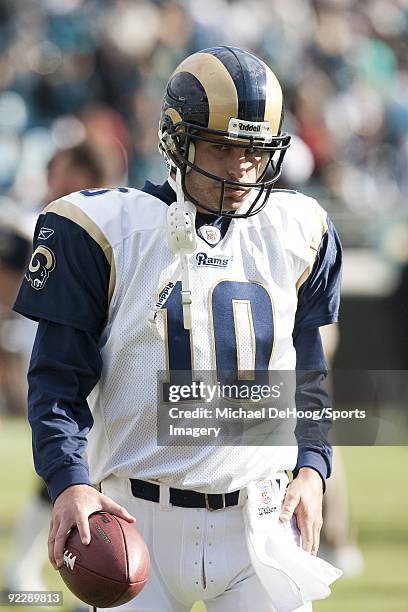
97 69
81 83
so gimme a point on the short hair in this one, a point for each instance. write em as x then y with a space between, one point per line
87 156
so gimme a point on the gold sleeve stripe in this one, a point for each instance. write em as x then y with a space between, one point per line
218 85
78 216
273 100
314 248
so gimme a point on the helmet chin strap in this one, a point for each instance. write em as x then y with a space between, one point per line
183 241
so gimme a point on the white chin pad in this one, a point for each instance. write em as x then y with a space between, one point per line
264 162
191 155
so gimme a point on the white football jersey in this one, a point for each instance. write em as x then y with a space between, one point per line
245 296
102 261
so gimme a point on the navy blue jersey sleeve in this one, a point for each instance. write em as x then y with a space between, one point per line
319 296
65 366
315 450
67 279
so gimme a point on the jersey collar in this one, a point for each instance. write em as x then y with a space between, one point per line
167 194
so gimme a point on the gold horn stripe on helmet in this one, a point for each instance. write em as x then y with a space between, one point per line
273 101
218 85
173 114
77 215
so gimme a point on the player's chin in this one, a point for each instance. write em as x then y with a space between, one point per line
233 198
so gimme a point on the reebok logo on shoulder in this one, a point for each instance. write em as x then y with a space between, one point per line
45 233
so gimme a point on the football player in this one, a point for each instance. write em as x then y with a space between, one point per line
213 270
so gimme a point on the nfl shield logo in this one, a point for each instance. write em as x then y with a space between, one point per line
211 235
264 491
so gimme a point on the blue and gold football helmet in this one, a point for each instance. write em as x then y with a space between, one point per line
224 92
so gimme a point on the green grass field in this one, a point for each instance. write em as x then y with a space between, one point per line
379 502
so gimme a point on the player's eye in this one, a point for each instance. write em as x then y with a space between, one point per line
221 148
253 155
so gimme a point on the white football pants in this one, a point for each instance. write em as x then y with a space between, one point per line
195 554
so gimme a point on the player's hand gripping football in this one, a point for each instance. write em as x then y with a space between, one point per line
304 498
73 507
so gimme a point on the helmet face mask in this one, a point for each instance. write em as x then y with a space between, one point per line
224 95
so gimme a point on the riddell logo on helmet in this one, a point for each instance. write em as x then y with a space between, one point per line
249 127
239 127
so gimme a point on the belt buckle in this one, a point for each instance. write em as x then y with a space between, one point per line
207 505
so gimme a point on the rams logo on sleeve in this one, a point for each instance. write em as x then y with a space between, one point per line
42 263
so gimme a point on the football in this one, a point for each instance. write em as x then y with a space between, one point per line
112 569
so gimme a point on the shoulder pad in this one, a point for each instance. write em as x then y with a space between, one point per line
109 215
300 216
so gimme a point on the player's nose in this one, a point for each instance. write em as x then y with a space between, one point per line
237 165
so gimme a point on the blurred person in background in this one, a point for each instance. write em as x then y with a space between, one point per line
15 343
338 541
76 168
80 167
